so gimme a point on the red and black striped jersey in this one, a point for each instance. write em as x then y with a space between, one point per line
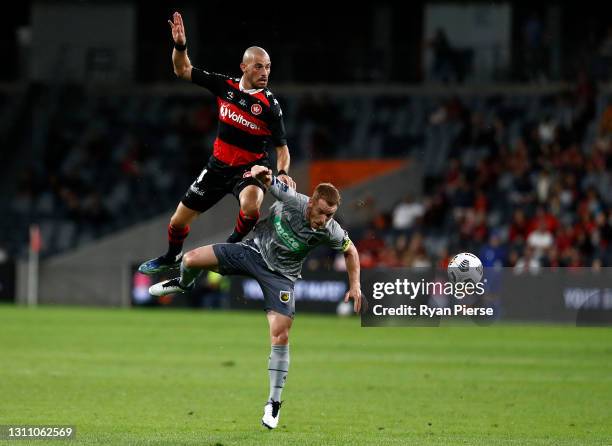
249 123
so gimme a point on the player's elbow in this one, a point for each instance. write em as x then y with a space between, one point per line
179 72
351 256
351 252
183 72
282 149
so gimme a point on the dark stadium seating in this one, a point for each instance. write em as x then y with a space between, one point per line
99 161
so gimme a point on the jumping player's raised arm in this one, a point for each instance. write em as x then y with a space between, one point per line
180 60
182 64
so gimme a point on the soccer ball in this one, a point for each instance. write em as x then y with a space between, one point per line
465 267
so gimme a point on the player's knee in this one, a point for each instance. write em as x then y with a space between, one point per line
280 336
177 222
282 339
189 259
250 209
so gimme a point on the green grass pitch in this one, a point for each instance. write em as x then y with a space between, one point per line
199 378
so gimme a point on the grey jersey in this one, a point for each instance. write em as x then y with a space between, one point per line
285 237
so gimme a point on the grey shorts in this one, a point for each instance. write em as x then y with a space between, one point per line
244 259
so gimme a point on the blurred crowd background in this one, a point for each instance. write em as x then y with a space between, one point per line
514 132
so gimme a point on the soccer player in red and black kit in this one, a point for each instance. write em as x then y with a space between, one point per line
250 120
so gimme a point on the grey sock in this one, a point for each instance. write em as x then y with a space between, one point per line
278 366
189 275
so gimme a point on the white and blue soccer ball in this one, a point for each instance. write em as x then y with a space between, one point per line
465 267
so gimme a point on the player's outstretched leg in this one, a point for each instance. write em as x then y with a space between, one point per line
250 201
194 262
278 366
178 230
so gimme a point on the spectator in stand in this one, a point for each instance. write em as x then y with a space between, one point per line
487 172
415 255
369 248
604 225
444 259
543 186
481 203
436 207
571 258
565 238
473 227
591 202
462 197
543 216
529 263
518 228
547 130
540 240
583 231
551 258
493 254
407 213
569 191
388 258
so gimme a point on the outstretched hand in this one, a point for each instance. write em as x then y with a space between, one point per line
262 173
178 29
287 180
355 294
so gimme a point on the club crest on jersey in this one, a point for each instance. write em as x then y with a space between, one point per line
256 109
285 296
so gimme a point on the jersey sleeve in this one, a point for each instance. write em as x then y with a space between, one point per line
277 125
338 238
286 194
213 82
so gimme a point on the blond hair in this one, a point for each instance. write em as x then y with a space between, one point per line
328 192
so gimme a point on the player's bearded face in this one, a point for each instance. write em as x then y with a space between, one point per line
320 213
258 72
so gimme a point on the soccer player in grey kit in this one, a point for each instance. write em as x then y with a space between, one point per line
274 257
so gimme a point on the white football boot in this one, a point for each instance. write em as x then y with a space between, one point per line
166 287
271 414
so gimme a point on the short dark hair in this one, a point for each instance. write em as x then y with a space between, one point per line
328 192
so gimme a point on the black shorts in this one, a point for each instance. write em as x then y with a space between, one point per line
244 259
217 180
